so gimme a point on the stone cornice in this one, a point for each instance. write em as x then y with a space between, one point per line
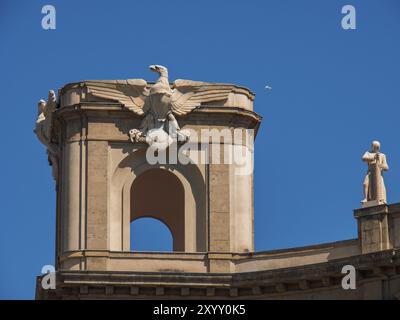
103 106
260 284
114 113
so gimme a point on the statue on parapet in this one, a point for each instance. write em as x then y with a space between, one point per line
374 185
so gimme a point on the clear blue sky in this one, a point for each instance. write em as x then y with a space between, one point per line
333 92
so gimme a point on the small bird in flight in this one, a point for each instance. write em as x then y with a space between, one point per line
268 87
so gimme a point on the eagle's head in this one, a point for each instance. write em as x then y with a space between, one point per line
161 70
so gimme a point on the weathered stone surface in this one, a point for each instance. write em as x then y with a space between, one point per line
373 228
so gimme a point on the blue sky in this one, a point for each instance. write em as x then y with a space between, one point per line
334 91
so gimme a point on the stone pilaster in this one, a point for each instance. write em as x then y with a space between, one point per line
219 214
97 219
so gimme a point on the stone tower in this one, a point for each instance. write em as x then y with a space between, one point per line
105 180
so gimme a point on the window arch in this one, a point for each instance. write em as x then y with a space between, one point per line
191 177
158 193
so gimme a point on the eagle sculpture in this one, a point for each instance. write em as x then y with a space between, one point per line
43 129
159 103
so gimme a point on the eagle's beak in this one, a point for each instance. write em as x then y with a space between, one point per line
153 67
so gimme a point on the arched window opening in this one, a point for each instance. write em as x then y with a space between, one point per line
159 194
149 234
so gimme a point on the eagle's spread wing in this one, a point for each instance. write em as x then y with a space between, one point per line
44 121
188 95
131 93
